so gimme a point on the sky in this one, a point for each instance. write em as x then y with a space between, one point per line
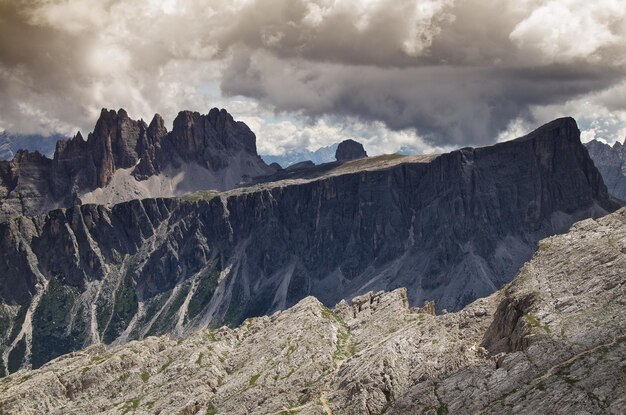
429 75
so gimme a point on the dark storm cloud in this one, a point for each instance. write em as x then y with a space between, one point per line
456 72
447 104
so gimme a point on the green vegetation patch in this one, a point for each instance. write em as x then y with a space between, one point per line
16 356
204 291
236 307
533 322
199 359
50 323
166 319
124 308
145 376
345 346
253 379
210 409
201 195
131 405
166 365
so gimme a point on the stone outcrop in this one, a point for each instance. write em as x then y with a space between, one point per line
611 162
561 317
451 228
350 150
124 159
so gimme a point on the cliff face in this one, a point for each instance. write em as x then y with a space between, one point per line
611 162
553 341
451 228
125 159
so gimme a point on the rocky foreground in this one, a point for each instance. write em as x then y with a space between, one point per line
553 341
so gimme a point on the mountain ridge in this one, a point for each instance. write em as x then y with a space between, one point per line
451 227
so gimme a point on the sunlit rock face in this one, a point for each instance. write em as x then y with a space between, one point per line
124 159
449 228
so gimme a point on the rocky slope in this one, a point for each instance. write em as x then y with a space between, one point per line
611 162
124 159
553 341
452 228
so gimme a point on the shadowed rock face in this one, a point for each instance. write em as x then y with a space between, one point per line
223 148
349 150
451 228
553 341
611 162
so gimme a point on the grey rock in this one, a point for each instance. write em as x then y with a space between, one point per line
349 150
611 162
214 147
376 354
450 228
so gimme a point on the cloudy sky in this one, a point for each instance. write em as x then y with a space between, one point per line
428 74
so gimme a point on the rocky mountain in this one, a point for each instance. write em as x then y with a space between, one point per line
349 150
124 159
552 341
452 228
319 156
611 162
10 144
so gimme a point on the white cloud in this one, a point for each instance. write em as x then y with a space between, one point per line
428 74
564 30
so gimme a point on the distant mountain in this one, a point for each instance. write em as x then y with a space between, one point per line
11 143
451 228
319 156
611 162
124 159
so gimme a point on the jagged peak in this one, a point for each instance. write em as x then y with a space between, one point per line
157 121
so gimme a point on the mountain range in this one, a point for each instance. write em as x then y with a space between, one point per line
450 228
319 156
124 159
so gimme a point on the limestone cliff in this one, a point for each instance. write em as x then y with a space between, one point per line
452 228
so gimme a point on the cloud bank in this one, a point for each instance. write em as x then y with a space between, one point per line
431 74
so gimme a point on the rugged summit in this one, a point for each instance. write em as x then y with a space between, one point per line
553 341
350 150
452 228
125 159
611 162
